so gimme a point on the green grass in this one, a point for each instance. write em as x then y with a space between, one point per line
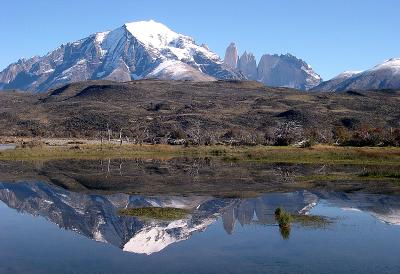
313 221
155 213
264 154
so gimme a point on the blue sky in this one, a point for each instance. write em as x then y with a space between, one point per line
332 36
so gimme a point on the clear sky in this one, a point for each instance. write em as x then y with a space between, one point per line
331 35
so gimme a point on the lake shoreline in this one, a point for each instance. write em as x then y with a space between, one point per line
52 149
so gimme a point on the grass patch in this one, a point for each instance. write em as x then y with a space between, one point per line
313 221
155 213
263 154
285 219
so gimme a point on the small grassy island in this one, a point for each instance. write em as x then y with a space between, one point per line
155 213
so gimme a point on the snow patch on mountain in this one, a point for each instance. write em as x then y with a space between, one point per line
176 70
393 65
152 33
346 74
382 76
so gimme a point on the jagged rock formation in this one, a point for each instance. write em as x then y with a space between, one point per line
231 56
382 76
286 71
273 70
134 51
248 66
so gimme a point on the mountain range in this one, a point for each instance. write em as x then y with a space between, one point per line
273 70
134 51
149 49
382 76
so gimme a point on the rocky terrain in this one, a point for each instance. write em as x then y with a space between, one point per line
155 111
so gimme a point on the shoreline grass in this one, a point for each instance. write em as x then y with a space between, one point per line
266 154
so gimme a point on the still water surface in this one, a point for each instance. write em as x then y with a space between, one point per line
47 229
4 147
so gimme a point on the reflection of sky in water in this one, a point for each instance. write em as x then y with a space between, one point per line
228 234
7 147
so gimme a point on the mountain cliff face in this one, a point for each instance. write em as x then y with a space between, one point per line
231 56
286 71
382 76
248 66
273 70
134 51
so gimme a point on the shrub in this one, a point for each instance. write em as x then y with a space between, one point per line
283 218
288 133
341 135
177 134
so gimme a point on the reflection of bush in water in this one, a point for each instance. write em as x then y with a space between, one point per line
285 219
285 232
282 217
155 213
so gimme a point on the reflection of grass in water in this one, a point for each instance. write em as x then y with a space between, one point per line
374 173
155 213
381 173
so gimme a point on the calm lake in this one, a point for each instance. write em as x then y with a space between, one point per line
53 220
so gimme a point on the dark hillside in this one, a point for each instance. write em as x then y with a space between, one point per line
167 111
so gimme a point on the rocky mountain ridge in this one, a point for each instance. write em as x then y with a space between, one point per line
138 50
273 70
383 76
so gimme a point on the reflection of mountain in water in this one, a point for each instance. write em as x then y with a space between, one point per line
261 210
385 208
95 216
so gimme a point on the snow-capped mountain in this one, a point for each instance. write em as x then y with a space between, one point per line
136 50
273 70
334 82
382 76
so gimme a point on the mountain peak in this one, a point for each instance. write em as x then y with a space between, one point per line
382 76
152 33
231 56
392 64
